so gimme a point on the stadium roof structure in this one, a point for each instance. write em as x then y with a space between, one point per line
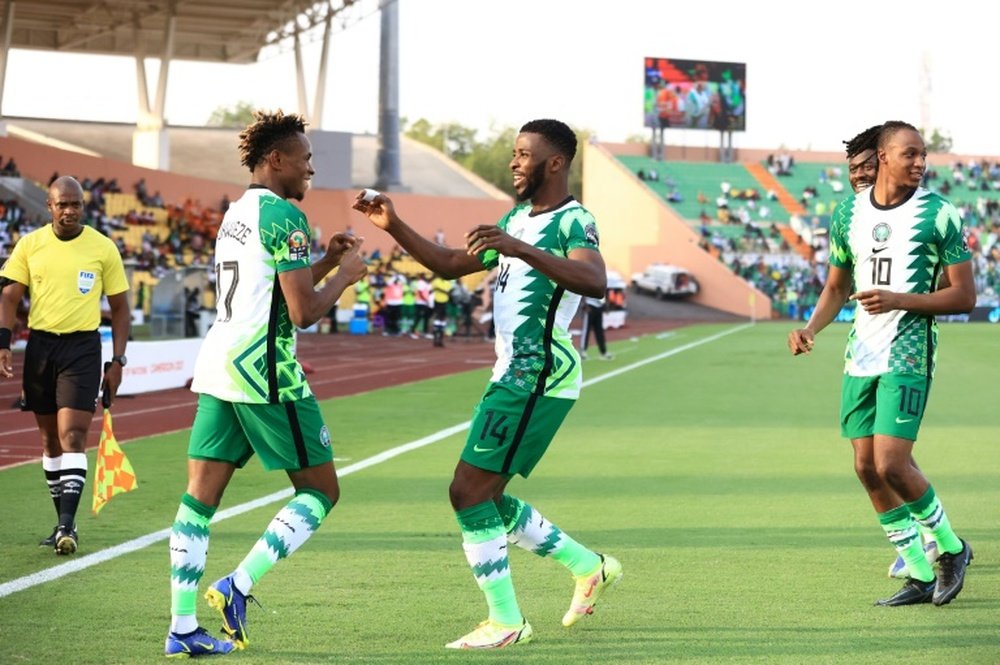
232 31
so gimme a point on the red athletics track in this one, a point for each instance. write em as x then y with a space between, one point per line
343 365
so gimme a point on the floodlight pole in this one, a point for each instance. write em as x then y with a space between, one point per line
387 160
8 32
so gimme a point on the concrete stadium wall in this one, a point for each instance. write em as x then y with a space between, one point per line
37 161
638 229
705 154
330 210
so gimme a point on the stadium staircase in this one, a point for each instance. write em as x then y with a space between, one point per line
770 183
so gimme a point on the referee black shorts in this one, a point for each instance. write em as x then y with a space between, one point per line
62 371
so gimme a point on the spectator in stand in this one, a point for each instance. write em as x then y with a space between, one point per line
10 169
140 191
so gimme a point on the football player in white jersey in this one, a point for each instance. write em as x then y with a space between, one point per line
546 254
888 244
253 395
862 167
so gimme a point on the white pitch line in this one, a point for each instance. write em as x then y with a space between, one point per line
88 560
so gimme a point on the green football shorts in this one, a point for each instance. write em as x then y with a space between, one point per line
888 404
511 429
289 435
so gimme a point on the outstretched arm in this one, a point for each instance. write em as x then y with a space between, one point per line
831 300
450 263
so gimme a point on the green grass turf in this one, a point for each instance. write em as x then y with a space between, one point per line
717 476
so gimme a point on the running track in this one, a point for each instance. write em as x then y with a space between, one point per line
342 365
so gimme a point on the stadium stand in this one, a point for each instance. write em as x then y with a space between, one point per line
776 254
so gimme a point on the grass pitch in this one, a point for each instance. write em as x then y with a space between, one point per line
715 473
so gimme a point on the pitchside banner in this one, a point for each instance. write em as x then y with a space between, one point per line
156 365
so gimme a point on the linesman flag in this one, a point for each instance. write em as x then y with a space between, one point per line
114 471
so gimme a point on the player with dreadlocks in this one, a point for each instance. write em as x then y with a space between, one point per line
862 158
888 244
862 167
253 395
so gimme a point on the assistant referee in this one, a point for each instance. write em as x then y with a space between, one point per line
66 267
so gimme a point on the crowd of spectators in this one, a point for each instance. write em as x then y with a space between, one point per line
794 283
398 299
740 235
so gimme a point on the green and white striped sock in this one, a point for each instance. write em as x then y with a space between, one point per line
188 552
289 529
485 543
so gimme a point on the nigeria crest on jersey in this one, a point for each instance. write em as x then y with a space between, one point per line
881 232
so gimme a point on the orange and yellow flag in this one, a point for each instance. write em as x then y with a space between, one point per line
114 471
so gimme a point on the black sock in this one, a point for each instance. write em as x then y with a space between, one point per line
72 479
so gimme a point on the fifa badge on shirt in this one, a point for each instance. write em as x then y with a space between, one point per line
298 245
591 232
85 281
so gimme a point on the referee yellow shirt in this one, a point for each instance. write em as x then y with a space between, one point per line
66 278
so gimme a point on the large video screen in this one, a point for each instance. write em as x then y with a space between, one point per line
695 94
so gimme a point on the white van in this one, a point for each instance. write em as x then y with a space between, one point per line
665 281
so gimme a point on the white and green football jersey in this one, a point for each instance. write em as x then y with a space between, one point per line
249 352
531 313
901 249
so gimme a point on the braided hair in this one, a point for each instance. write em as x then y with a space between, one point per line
267 132
866 140
557 133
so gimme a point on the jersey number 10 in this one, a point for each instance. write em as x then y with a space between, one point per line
882 271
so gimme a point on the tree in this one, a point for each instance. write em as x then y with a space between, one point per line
938 142
239 114
489 158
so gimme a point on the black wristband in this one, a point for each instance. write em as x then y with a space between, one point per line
5 336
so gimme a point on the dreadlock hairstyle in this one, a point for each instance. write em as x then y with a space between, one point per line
267 132
557 133
866 140
890 128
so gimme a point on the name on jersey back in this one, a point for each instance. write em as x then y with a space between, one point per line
234 229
